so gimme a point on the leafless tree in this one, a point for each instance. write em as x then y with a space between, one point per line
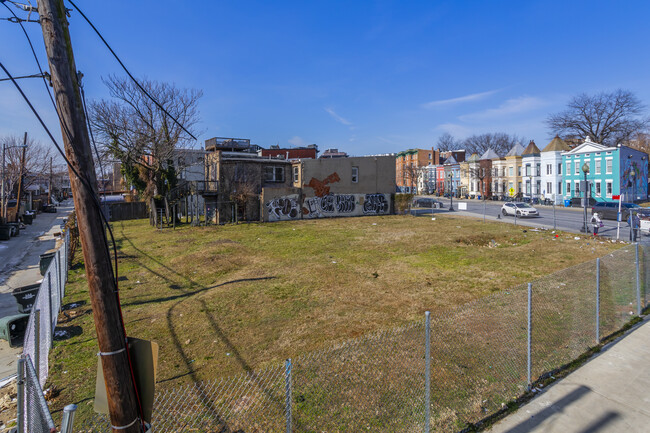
134 130
500 142
608 117
411 172
36 164
447 142
639 141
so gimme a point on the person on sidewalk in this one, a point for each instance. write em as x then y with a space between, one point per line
596 223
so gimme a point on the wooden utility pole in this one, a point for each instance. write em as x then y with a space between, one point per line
20 178
122 403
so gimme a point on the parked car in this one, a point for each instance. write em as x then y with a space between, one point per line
609 210
520 209
644 220
49 208
427 202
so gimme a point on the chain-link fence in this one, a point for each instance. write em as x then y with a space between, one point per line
45 310
449 370
33 413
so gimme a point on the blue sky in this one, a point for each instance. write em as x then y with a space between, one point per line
364 77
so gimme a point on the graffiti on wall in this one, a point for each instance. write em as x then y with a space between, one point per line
330 205
375 204
320 186
638 183
283 208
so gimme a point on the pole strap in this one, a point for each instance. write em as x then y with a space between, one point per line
115 352
124 427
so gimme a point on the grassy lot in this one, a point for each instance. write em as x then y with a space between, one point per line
223 300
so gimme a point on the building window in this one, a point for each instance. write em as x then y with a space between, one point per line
549 168
549 187
538 186
355 174
608 166
597 188
273 173
577 190
568 188
295 174
429 156
519 170
527 169
512 170
559 168
519 186
538 169
577 170
609 189
597 164
568 168
559 188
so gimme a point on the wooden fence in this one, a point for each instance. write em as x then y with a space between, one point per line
125 210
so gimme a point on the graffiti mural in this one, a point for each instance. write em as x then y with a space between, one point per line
375 204
634 185
283 208
320 186
345 203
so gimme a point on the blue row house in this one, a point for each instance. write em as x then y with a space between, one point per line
610 171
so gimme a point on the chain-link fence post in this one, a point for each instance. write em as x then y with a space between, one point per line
638 283
68 418
427 372
20 396
530 333
287 390
48 329
598 300
37 345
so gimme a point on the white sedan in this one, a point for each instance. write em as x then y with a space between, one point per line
519 209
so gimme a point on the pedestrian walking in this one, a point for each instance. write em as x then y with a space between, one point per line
596 223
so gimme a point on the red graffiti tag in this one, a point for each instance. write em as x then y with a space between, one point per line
320 187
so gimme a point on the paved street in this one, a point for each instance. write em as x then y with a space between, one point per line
19 266
567 219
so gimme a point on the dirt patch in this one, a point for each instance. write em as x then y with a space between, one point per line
8 407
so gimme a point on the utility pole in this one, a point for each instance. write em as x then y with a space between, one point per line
120 388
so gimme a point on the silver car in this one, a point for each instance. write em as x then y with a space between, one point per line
519 209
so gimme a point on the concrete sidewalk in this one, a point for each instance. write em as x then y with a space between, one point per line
611 393
19 266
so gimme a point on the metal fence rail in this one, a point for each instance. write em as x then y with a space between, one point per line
440 374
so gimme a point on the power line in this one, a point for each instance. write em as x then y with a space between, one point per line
129 73
44 74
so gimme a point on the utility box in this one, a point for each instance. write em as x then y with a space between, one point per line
12 329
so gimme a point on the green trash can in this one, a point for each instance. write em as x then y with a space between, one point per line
5 232
12 329
46 259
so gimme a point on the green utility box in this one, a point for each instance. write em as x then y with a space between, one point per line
12 329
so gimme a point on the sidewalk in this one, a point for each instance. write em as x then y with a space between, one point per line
19 266
611 393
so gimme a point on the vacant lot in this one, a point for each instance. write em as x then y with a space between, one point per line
222 300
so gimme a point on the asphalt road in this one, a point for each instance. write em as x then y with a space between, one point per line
566 219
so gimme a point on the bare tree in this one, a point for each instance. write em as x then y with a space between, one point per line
134 130
447 142
500 142
411 173
34 167
607 118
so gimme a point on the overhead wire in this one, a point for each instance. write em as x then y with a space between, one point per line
142 89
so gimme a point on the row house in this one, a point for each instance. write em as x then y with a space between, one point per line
551 162
452 176
608 170
507 172
408 164
531 161
486 172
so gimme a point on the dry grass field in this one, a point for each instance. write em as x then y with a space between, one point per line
230 299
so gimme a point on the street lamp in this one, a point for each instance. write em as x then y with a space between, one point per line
585 170
451 192
2 197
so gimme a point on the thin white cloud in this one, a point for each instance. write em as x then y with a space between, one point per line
453 101
297 141
510 107
336 117
458 131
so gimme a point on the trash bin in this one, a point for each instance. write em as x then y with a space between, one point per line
28 218
12 329
46 259
567 203
26 296
5 232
